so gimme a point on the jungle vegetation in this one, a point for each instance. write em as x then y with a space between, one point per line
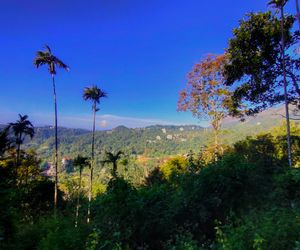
235 185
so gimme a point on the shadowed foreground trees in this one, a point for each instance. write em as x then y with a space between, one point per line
257 63
203 210
52 62
248 196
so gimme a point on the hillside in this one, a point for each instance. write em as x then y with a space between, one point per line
152 141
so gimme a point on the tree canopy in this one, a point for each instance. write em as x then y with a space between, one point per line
206 95
254 62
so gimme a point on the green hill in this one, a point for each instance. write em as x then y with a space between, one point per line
152 141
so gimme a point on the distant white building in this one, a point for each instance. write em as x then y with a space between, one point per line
169 137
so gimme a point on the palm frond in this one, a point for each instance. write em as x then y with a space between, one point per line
110 157
60 63
48 49
22 127
81 162
277 3
42 54
39 61
118 154
47 58
23 117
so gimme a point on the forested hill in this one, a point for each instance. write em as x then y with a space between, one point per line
155 141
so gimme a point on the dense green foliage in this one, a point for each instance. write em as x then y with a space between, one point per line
255 63
162 187
248 199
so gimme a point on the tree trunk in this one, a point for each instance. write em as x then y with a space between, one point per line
298 14
216 124
79 189
286 102
216 142
114 172
92 164
56 147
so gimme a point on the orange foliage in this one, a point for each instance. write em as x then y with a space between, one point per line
206 95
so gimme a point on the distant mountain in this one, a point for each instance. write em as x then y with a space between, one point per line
47 132
154 141
269 117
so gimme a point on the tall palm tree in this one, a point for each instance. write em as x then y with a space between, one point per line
80 162
21 128
47 58
93 94
279 5
112 158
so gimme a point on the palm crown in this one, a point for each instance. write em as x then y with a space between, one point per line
81 162
22 127
111 157
47 58
278 3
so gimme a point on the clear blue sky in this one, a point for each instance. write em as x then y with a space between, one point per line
138 51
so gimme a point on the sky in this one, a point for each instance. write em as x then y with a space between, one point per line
137 51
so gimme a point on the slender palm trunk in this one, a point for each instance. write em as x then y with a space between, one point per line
298 14
115 169
78 196
92 164
288 130
56 146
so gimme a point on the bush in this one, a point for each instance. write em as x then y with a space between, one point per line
51 233
276 229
